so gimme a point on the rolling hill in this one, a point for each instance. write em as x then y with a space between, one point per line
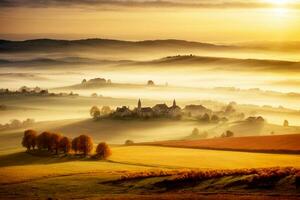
48 45
272 144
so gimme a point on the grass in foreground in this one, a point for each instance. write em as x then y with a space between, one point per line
167 157
62 177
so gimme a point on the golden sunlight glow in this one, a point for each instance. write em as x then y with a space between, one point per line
278 2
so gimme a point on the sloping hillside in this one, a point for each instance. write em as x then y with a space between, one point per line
276 143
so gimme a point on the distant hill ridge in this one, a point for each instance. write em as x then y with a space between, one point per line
47 45
51 44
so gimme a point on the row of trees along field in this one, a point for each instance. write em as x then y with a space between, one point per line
56 143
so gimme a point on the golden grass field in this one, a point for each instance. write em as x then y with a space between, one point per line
20 166
33 176
196 158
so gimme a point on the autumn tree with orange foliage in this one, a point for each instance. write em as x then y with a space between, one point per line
103 151
55 142
44 141
75 144
29 139
65 144
83 144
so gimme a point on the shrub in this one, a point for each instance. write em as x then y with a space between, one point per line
65 144
44 141
29 139
103 151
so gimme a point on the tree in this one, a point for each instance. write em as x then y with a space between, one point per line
95 112
205 118
195 132
229 109
15 123
129 142
65 144
103 151
94 95
29 139
286 123
55 142
44 141
215 118
150 83
75 144
85 144
105 110
227 134
28 122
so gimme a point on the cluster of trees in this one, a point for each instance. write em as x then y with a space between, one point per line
15 123
206 118
227 134
96 112
56 143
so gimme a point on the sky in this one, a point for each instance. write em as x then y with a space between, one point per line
220 21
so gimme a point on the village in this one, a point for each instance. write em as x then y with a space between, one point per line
175 112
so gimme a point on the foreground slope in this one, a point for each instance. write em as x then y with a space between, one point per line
66 177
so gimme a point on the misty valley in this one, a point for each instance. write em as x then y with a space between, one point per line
117 119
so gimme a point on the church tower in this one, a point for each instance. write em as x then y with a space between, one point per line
174 104
139 104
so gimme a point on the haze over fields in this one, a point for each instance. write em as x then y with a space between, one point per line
143 99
